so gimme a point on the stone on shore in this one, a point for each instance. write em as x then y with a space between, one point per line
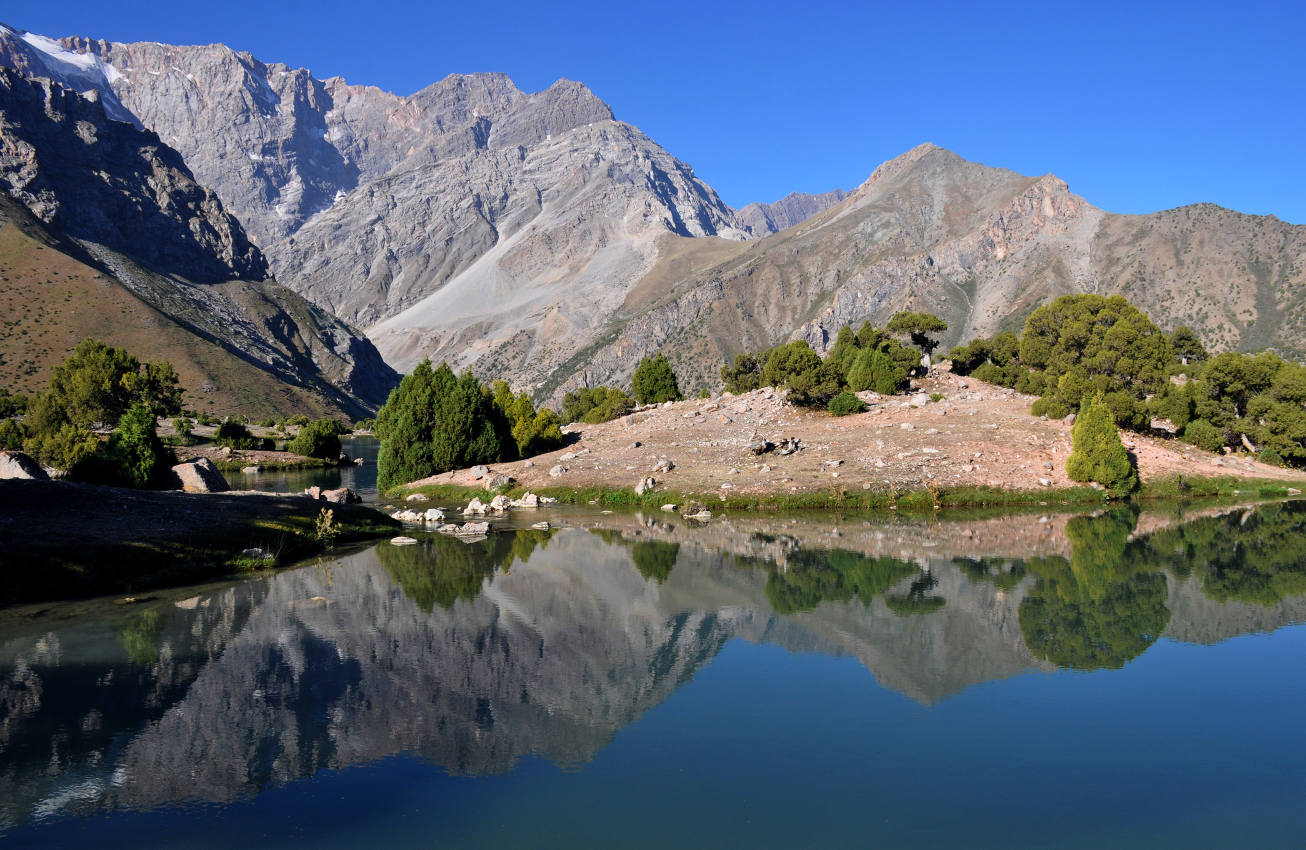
20 466
199 476
342 496
402 541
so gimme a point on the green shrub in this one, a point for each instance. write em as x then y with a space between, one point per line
133 457
595 405
62 448
1052 408
654 381
11 405
1269 456
533 431
1204 435
11 435
876 371
235 435
811 381
846 403
318 439
744 376
1098 455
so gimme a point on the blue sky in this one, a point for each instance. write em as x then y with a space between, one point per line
1138 106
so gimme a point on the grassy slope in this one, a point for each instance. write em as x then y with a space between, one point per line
50 301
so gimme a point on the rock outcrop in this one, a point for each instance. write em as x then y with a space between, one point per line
21 467
199 476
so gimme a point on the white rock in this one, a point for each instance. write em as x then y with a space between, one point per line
402 541
475 506
670 507
433 515
500 503
541 525
474 528
557 471
416 497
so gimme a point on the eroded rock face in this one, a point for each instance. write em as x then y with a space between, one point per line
107 182
114 196
470 218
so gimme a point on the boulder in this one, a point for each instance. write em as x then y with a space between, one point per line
199 476
19 466
249 470
474 528
314 492
433 515
530 500
342 496
402 541
479 472
497 481
500 503
475 506
663 465
416 497
542 525
557 471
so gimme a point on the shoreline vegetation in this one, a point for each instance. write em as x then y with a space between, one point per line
1212 489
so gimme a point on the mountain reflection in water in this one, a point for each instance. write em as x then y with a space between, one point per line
548 643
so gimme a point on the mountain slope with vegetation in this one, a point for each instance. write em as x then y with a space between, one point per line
103 232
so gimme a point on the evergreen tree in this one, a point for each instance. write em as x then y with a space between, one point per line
318 439
1098 455
654 381
918 326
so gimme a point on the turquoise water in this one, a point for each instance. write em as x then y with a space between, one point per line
1122 682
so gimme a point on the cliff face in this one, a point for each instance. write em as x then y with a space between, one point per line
107 202
106 182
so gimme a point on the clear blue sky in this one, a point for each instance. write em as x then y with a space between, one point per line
1139 106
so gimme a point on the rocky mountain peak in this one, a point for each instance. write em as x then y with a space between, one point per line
110 183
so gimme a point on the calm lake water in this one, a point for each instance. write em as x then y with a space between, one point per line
360 479
1005 681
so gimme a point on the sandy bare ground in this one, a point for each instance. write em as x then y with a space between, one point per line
976 434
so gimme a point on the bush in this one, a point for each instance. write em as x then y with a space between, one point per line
11 435
811 382
1098 455
133 457
235 435
434 422
846 403
744 376
1269 456
876 371
318 439
1204 435
595 405
654 381
11 405
533 432
62 448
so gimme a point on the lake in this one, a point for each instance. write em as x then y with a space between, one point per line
361 478
1001 680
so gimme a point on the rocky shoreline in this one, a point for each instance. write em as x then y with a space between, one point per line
952 434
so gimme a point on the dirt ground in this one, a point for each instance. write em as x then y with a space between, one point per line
975 434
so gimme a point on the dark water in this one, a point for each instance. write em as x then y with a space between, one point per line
1014 681
360 479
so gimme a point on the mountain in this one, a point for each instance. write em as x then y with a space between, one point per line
533 236
104 232
979 246
467 221
762 219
